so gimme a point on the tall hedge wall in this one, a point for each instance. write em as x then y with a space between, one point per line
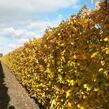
68 68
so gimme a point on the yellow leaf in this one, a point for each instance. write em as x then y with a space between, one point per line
94 54
59 70
59 34
68 93
96 89
84 97
75 57
69 104
106 39
71 82
101 69
87 87
102 63
80 107
106 50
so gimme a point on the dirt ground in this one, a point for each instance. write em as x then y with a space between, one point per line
12 94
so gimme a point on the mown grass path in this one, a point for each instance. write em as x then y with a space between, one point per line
12 93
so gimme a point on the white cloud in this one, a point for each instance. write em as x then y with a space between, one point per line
17 43
41 25
12 46
1 48
22 41
12 11
18 33
37 6
32 28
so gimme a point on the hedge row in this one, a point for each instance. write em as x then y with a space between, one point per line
68 68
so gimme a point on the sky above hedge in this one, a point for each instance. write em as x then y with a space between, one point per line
21 20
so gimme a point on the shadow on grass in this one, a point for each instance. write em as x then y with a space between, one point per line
4 97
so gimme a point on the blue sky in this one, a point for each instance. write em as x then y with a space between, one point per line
21 20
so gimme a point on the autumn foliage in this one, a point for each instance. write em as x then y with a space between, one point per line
68 68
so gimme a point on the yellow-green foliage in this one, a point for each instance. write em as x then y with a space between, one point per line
69 67
5 60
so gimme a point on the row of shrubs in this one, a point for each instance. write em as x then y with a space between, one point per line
68 68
